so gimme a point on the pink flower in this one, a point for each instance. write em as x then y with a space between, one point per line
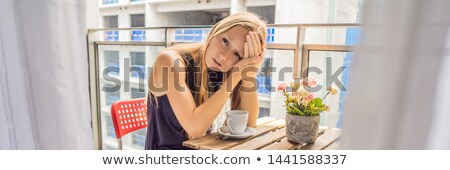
281 87
311 82
309 97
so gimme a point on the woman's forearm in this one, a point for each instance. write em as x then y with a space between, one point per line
249 99
206 113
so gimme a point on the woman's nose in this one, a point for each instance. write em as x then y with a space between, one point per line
222 58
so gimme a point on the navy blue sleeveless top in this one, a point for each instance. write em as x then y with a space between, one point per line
164 131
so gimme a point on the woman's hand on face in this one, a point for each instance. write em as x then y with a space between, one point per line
254 53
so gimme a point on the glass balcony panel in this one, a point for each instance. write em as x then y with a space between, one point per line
336 64
332 36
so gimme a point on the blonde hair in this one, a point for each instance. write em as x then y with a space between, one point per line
247 20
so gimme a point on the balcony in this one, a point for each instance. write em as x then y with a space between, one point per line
291 46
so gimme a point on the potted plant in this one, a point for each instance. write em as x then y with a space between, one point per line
303 109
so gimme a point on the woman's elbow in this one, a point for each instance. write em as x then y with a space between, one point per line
194 132
195 135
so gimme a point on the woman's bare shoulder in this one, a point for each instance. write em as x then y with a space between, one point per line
167 60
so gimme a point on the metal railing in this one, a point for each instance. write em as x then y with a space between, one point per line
300 63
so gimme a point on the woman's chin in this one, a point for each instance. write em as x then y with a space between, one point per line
213 68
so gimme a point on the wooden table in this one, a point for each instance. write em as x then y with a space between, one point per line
271 135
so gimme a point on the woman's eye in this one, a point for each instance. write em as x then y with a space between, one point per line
225 41
237 56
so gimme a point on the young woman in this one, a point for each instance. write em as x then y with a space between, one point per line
190 83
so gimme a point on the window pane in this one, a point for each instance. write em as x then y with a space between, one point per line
191 35
264 112
137 93
137 20
109 132
110 127
138 57
112 97
110 2
138 60
111 22
111 58
138 35
282 65
339 65
282 35
264 77
139 138
334 36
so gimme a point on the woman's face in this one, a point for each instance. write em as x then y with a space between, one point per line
226 49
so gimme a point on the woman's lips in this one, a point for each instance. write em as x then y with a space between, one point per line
218 64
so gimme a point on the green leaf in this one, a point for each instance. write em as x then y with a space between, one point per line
314 107
316 102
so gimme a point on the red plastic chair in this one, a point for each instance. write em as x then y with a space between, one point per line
128 116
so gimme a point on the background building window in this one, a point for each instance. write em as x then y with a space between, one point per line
111 59
111 22
105 2
264 112
191 35
112 97
137 20
264 78
138 60
137 93
270 35
139 138
110 132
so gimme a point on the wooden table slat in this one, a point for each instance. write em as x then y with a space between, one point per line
271 135
334 146
264 120
262 141
324 140
195 143
220 144
284 144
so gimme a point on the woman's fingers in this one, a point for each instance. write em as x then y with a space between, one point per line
253 43
260 44
253 46
256 46
250 46
246 50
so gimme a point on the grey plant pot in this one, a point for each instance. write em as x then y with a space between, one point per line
302 129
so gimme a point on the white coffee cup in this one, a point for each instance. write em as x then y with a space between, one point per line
237 121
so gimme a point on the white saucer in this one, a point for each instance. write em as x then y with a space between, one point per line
249 131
